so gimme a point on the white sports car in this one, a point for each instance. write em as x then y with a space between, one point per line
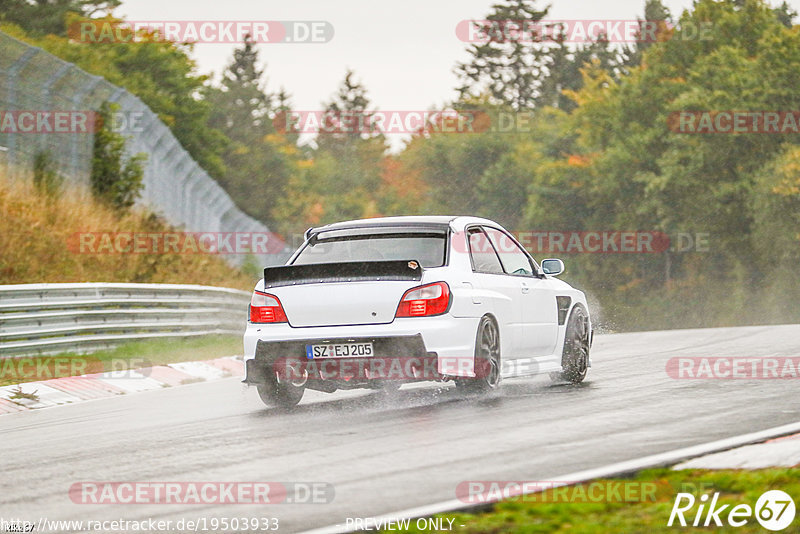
376 303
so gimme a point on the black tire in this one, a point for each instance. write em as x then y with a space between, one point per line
487 359
282 392
575 358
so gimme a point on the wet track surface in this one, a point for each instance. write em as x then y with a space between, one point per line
387 454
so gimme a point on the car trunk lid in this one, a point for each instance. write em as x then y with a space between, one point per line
334 294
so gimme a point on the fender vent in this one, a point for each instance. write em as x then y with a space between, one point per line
563 308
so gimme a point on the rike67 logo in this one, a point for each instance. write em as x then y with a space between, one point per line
774 510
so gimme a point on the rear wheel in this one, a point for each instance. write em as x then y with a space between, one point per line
487 359
575 358
282 389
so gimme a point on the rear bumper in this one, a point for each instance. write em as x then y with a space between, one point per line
398 358
447 340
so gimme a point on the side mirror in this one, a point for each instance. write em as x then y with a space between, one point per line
553 267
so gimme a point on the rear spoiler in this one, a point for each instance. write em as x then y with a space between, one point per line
317 273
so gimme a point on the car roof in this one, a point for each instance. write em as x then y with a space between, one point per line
457 222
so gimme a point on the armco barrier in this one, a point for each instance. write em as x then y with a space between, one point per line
53 318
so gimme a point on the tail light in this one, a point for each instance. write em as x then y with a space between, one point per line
266 308
422 301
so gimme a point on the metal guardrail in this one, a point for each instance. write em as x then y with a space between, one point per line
53 318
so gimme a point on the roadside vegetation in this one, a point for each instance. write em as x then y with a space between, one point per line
40 243
548 513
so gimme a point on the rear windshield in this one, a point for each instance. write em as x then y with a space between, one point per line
427 248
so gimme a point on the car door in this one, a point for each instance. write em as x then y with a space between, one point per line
538 332
504 290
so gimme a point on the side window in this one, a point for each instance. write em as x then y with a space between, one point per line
481 251
514 259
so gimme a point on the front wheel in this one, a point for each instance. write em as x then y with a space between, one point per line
487 359
282 389
575 358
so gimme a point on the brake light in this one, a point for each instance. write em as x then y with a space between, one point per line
422 301
266 308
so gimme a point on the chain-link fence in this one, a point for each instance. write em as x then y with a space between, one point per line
32 80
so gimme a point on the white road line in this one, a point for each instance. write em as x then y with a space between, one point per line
611 470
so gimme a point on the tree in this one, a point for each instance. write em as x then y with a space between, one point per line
563 70
351 100
161 74
452 168
42 17
115 178
344 176
246 103
627 169
510 64
655 13
785 14
257 160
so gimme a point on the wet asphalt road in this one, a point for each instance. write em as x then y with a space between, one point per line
385 455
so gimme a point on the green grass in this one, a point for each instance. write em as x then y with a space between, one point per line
548 514
135 354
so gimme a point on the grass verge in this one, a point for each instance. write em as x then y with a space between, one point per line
574 511
41 234
133 355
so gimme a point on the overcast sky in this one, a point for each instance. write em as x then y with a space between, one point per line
403 51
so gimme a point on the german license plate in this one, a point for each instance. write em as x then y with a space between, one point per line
339 350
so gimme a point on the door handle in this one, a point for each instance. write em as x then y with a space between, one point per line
525 287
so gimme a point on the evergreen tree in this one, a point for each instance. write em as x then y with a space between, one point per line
246 103
344 176
785 14
257 158
349 117
564 66
655 13
509 65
